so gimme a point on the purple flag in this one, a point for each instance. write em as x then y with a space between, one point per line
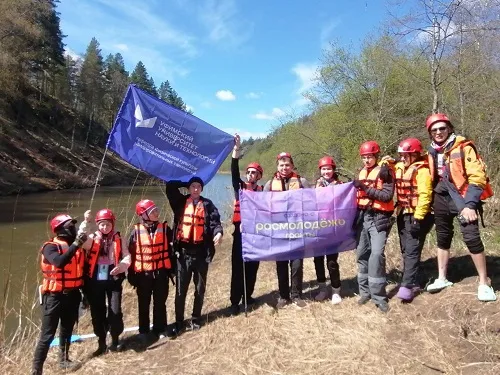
297 224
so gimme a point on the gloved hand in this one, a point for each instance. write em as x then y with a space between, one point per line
358 184
211 254
132 278
415 228
80 239
384 173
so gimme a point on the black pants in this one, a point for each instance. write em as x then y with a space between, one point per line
195 267
296 275
445 211
110 318
152 284
251 268
56 307
411 247
333 269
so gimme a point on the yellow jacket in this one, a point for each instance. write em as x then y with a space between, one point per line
416 177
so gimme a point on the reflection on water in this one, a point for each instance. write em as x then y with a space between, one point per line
24 226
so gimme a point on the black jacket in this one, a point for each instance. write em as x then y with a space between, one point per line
213 224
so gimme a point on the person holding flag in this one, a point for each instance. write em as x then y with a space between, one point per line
286 179
253 174
329 176
375 186
197 230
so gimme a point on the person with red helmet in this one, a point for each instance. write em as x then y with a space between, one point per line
197 231
413 212
460 185
152 264
106 260
284 179
329 176
375 186
254 173
62 262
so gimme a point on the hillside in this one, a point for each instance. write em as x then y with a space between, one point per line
36 153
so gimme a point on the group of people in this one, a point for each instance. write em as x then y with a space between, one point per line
75 263
418 191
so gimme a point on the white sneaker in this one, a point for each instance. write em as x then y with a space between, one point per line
336 298
438 285
323 292
486 293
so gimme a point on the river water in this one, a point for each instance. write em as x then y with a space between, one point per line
24 227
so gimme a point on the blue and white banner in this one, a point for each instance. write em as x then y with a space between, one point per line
165 141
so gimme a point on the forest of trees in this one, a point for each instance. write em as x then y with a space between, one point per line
442 56
34 65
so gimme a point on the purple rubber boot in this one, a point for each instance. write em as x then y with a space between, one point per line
404 293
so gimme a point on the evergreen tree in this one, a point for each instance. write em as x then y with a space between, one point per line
170 96
141 78
116 84
91 82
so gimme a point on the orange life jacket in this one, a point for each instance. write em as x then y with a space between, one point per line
237 211
455 163
93 253
406 185
192 226
320 182
151 253
371 179
69 277
278 184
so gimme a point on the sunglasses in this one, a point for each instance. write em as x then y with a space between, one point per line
252 172
441 129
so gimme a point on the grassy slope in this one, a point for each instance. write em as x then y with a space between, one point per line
36 156
449 333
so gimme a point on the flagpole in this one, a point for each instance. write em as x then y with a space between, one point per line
98 176
245 288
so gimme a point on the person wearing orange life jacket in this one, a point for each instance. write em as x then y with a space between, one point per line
286 179
375 186
62 263
414 218
327 166
151 267
460 184
107 259
197 230
253 174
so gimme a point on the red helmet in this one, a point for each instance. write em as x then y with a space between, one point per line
436 117
105 214
284 155
256 166
410 145
60 220
144 206
326 160
369 148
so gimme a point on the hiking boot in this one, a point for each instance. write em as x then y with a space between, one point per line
323 292
384 307
363 300
405 294
101 348
234 309
336 298
251 301
438 285
299 302
485 293
64 362
282 302
194 325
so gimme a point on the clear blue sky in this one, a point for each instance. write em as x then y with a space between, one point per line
240 65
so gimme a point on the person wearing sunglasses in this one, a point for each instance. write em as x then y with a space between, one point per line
460 184
253 174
